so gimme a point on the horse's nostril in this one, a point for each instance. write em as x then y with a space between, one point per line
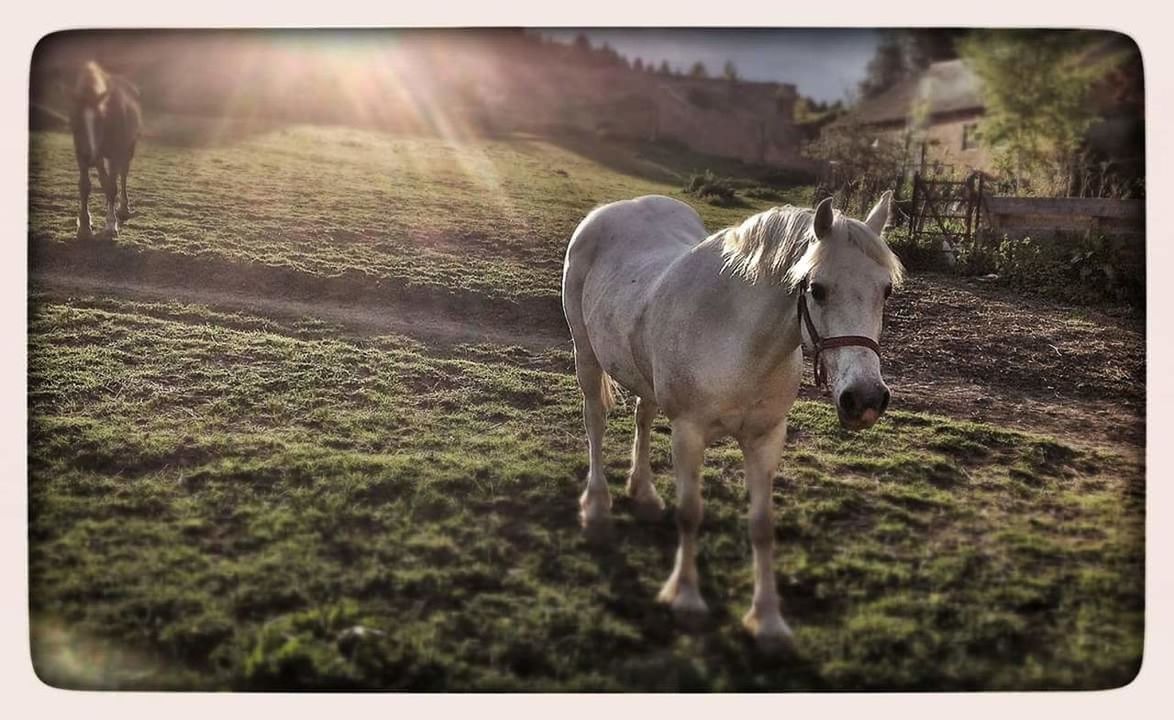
884 405
848 402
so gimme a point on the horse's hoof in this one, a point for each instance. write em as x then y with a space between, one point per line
775 645
598 531
647 505
124 215
689 608
771 634
594 507
648 509
691 617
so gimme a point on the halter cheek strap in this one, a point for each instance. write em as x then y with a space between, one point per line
820 344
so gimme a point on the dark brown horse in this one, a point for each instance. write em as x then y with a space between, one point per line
106 118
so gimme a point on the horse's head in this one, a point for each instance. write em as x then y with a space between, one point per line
90 86
843 279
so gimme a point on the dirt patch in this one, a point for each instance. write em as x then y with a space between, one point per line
380 319
973 349
105 262
959 347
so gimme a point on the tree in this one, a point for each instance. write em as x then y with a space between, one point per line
903 54
608 54
698 70
1035 87
924 46
860 165
730 71
638 65
582 43
887 67
664 68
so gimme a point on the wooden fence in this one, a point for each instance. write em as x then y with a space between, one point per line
1036 216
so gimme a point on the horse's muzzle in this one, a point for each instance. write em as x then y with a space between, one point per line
861 405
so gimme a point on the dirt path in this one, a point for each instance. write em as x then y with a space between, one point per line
355 318
961 348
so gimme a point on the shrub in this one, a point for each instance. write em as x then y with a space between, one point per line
921 255
763 192
1079 269
711 188
799 196
1073 268
789 177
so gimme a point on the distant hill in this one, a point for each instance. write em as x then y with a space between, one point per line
450 82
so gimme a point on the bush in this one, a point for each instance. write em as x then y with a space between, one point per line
789 177
923 255
1078 269
1073 268
763 192
712 189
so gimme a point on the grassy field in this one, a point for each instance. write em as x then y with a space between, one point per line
491 216
226 499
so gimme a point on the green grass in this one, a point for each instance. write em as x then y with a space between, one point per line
488 216
227 501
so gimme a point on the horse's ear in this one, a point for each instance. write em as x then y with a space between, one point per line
822 225
878 217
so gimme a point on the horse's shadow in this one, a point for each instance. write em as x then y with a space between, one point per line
633 598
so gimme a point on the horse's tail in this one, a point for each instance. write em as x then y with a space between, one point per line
607 391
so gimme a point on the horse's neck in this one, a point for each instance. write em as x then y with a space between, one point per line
773 319
765 311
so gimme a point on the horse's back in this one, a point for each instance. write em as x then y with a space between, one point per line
615 258
645 224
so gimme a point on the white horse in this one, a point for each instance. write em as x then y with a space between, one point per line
708 331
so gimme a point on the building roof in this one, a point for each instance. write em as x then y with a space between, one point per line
947 87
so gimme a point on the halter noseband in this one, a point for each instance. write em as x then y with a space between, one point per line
821 344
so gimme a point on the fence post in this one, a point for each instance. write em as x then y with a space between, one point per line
978 205
913 203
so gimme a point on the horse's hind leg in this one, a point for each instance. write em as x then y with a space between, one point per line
682 590
83 212
595 503
640 488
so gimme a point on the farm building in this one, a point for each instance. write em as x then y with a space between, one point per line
946 97
938 114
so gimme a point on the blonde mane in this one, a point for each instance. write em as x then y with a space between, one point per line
91 83
778 243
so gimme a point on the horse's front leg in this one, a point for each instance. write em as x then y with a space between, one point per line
682 591
107 181
124 211
764 620
83 211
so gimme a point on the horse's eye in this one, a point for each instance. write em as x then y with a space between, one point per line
888 291
818 292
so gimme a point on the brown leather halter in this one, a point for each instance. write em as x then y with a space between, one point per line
821 344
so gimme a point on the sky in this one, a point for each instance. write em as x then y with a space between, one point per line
822 64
